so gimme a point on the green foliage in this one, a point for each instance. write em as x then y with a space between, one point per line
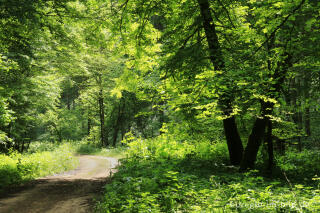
17 168
262 57
44 146
163 175
96 70
300 165
27 34
6 116
88 148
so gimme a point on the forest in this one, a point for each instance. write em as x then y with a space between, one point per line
213 104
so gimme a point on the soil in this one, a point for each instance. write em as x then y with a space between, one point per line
73 191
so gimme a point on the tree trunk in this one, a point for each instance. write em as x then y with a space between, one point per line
256 137
297 116
230 127
270 145
101 115
22 146
254 142
300 120
307 121
233 140
116 127
307 82
89 122
280 145
89 126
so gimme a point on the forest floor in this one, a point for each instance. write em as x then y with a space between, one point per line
73 191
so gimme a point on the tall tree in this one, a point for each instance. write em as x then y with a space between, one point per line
240 51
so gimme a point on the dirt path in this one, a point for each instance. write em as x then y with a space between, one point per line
73 191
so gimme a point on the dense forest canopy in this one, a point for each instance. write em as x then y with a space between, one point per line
246 73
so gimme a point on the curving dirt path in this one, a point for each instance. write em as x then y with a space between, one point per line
72 191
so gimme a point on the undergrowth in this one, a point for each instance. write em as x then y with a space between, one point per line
87 148
17 168
163 175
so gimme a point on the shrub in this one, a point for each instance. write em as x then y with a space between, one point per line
163 175
303 164
17 168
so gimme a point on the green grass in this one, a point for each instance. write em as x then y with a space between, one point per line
162 175
85 148
17 168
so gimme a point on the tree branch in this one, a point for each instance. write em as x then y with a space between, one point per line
228 14
278 27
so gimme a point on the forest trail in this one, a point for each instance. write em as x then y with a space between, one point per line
73 191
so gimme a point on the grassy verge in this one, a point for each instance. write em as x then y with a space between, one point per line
17 168
162 175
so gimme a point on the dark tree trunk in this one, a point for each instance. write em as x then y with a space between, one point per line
258 130
211 35
307 121
17 146
307 82
233 140
116 127
22 146
60 136
123 124
101 115
123 132
256 137
89 122
89 126
270 145
230 127
254 142
23 142
297 116
300 120
280 146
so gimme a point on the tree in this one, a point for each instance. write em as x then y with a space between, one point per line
240 51
25 28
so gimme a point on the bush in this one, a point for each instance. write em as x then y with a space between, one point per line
163 175
89 148
17 168
165 146
303 164
42 146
